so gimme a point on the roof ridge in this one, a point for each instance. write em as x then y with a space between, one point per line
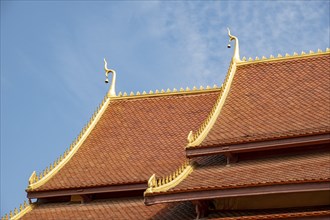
17 213
36 180
167 182
280 57
162 92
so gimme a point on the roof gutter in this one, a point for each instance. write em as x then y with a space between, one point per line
259 146
227 193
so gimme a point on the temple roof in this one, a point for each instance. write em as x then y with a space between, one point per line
274 99
133 138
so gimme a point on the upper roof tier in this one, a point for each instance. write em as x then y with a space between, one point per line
133 138
274 99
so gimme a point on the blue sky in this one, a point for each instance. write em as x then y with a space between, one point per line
52 52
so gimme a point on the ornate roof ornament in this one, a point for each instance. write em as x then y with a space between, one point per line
236 57
112 90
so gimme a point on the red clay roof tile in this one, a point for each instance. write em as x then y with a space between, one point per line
270 100
133 139
133 208
124 208
301 213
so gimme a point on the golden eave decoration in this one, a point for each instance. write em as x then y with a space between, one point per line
163 184
18 213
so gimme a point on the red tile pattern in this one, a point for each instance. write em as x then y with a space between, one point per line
212 172
134 139
305 213
126 208
276 99
133 208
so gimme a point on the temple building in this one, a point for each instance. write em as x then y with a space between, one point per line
257 147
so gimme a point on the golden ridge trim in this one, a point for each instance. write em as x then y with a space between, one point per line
36 180
194 139
17 213
282 57
162 92
165 183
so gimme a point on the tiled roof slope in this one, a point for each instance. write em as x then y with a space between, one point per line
133 208
302 213
125 208
212 173
133 139
275 99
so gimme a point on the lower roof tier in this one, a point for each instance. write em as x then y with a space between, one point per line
133 208
123 208
212 178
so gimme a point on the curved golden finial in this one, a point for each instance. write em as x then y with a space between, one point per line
112 90
236 51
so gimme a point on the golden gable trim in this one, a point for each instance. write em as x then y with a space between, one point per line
194 139
36 180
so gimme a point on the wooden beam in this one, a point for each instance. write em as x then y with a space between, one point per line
226 193
85 191
259 146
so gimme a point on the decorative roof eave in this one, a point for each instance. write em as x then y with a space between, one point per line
280 57
36 181
197 138
202 194
128 187
168 92
163 184
18 213
281 142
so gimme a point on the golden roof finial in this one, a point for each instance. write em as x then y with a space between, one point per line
112 90
236 57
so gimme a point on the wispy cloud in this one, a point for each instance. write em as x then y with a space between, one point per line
58 47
